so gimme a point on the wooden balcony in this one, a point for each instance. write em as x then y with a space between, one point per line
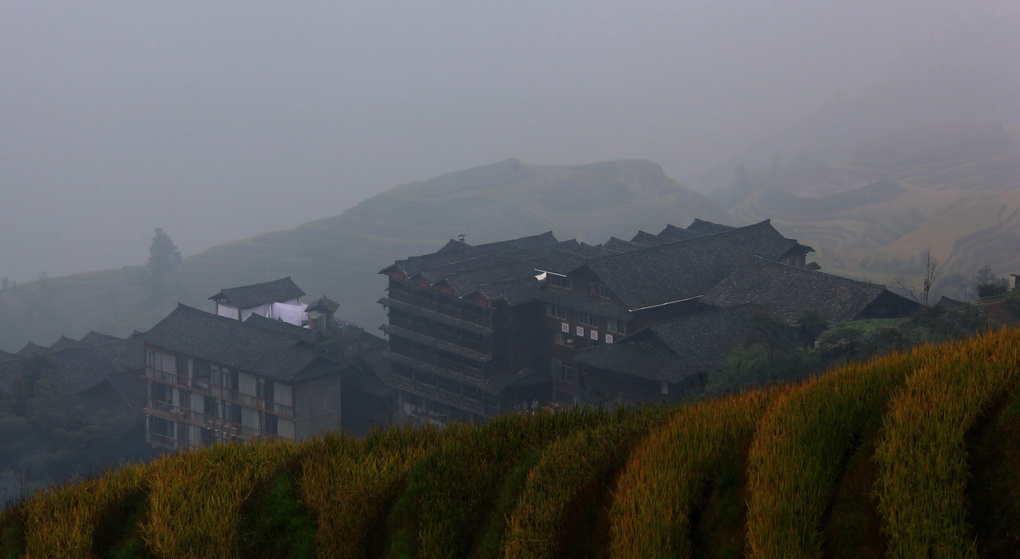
178 414
203 387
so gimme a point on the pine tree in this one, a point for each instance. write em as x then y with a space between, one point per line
163 260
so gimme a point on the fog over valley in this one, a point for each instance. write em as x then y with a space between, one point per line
220 121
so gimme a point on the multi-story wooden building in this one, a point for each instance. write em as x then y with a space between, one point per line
212 379
647 280
479 330
462 339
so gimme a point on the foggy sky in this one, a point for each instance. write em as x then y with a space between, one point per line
220 120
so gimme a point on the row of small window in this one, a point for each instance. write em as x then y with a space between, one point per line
563 337
589 319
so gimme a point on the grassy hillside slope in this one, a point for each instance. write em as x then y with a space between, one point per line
911 455
955 189
340 256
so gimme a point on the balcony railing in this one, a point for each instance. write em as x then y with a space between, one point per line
450 307
178 414
203 387
431 359
163 441
448 397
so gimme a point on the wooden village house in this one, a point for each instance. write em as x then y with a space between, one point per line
214 378
479 330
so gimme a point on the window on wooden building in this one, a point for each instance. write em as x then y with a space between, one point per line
562 282
562 371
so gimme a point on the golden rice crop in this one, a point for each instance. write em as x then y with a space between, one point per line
195 499
800 449
348 483
922 455
550 516
448 500
668 472
63 521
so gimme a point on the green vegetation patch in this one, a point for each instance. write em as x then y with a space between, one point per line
718 522
12 531
853 529
993 490
117 535
276 522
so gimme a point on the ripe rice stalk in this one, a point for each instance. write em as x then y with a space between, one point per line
555 513
668 473
195 499
63 521
922 455
801 447
349 483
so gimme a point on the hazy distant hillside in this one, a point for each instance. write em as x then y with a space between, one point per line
953 188
340 256
971 77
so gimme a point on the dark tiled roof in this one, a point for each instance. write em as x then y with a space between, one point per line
760 238
413 265
516 291
787 292
665 270
31 348
674 233
583 250
467 280
951 304
250 296
647 239
683 270
323 304
465 283
619 245
667 273
65 343
672 350
466 269
293 331
594 305
521 242
237 345
94 338
700 226
80 368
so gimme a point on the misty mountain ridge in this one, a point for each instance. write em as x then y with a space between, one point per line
955 189
972 77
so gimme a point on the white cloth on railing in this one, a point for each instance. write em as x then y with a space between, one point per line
293 314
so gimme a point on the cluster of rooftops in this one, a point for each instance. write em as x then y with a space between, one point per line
721 265
713 272
683 294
